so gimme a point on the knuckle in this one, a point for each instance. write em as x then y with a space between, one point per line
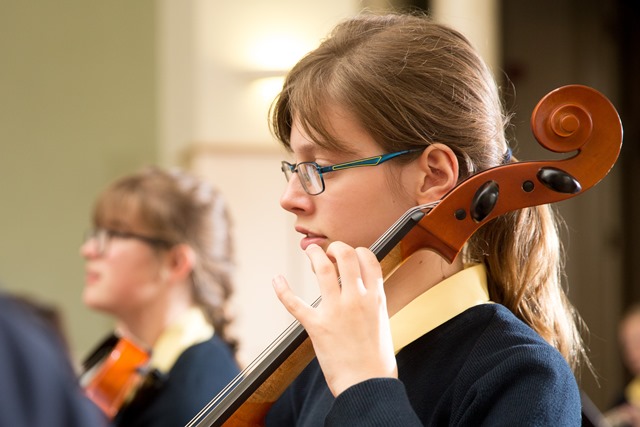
324 269
365 253
341 250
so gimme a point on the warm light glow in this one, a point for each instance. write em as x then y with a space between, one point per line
267 88
276 52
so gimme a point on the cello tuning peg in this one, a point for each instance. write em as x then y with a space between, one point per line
484 200
558 180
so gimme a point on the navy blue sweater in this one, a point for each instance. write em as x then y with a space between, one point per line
483 367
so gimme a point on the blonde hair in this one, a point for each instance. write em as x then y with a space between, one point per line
176 207
412 82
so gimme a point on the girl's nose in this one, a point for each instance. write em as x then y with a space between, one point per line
294 199
89 248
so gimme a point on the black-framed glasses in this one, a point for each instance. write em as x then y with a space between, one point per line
311 173
103 236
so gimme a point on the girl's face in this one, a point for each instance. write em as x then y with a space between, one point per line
358 204
124 278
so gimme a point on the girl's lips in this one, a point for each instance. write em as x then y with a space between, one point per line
310 238
306 241
91 277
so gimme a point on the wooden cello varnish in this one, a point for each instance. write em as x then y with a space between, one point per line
111 381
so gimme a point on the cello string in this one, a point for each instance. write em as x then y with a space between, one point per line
400 222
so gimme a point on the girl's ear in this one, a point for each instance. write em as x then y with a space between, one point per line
179 262
438 172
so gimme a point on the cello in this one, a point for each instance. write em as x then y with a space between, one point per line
113 371
570 119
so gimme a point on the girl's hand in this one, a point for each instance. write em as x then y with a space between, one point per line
350 328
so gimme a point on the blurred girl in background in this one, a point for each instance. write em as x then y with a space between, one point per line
159 260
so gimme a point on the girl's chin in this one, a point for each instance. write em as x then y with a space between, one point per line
97 304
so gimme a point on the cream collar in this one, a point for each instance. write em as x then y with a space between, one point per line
189 329
439 304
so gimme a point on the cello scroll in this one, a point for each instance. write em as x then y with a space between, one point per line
570 118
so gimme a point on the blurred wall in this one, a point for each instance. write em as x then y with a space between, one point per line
77 108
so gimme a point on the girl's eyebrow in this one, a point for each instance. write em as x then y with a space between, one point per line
305 148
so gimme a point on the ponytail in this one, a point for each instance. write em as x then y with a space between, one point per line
524 258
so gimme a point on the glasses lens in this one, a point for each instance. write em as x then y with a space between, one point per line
310 178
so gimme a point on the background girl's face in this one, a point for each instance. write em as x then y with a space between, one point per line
124 278
358 204
630 340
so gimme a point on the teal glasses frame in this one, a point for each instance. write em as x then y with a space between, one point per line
311 173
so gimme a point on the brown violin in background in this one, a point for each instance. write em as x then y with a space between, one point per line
113 372
569 119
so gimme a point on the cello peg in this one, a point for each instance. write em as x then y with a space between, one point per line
484 200
559 180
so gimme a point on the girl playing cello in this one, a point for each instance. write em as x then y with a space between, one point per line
391 112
